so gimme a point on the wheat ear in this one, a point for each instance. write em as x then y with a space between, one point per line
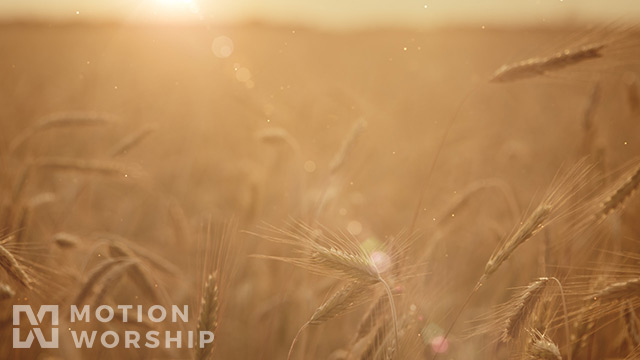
339 259
521 308
530 227
617 292
6 292
208 317
66 240
338 303
337 162
57 121
9 263
132 140
276 136
539 66
104 168
555 199
620 195
542 347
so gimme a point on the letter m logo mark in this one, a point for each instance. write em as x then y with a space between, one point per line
35 322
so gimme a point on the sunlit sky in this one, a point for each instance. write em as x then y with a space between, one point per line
325 13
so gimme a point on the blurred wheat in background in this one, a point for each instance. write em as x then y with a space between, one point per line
454 193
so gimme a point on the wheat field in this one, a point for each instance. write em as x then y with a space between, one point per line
454 193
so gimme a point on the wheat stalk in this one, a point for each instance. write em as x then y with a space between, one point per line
371 318
20 224
137 272
382 345
588 120
109 280
633 99
125 247
376 342
19 185
118 314
470 190
628 315
634 355
347 146
592 106
337 162
95 276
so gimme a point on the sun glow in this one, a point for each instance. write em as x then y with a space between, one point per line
175 9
